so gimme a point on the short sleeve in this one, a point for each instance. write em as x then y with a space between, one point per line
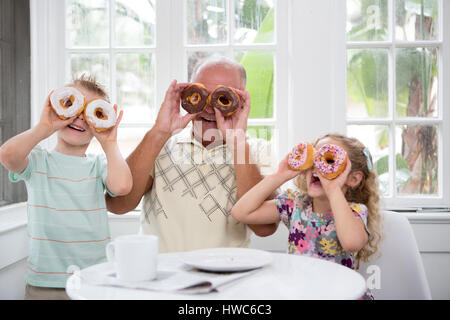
361 211
104 174
285 205
33 158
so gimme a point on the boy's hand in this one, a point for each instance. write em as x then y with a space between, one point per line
50 122
109 136
285 171
337 183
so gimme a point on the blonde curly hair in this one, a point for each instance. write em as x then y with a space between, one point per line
366 192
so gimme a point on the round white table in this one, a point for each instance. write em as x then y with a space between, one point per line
287 277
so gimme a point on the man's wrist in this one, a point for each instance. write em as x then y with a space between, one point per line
159 135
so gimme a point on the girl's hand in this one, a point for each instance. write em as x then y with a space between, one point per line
285 171
337 183
109 136
50 121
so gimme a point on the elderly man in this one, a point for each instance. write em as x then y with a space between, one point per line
187 183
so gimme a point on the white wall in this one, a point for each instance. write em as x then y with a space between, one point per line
432 234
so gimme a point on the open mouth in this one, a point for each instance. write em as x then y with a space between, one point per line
208 120
315 181
74 127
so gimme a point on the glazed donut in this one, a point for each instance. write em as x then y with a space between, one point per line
330 160
194 98
225 99
301 157
100 114
67 102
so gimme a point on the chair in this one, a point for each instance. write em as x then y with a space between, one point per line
402 275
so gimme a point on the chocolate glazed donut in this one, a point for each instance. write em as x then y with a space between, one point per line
225 99
194 98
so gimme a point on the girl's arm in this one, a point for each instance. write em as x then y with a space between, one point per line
119 179
14 152
252 207
350 229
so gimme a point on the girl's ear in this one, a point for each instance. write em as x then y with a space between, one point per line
354 179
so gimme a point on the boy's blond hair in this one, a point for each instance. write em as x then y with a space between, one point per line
366 192
90 83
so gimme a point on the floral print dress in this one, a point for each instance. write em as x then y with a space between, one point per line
314 234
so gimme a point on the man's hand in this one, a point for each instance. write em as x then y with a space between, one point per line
49 121
169 118
236 125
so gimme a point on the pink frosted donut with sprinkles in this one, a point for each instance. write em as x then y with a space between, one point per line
301 157
331 161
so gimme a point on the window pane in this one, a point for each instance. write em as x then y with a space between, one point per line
135 22
376 139
417 147
254 21
367 83
195 57
416 20
417 82
260 78
206 21
94 64
136 86
260 132
88 23
127 139
263 147
367 20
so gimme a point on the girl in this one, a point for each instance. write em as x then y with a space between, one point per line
337 220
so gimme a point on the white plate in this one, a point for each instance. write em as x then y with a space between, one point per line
227 259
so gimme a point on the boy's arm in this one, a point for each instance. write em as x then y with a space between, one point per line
14 152
118 179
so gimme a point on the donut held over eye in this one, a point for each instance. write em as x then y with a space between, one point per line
100 114
225 99
194 98
67 102
331 161
301 157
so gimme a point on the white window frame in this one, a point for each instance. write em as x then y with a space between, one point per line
310 97
392 121
170 56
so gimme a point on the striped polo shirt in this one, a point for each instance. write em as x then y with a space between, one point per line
68 225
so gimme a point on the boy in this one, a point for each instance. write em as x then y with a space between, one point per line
67 219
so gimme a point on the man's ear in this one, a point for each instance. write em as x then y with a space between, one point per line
354 179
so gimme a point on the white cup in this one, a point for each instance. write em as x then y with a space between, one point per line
134 257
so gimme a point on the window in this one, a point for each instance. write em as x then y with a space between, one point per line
137 47
394 94
115 42
14 84
245 31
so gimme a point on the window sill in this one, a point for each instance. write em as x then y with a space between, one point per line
15 216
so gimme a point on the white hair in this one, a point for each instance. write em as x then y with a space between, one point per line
220 61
